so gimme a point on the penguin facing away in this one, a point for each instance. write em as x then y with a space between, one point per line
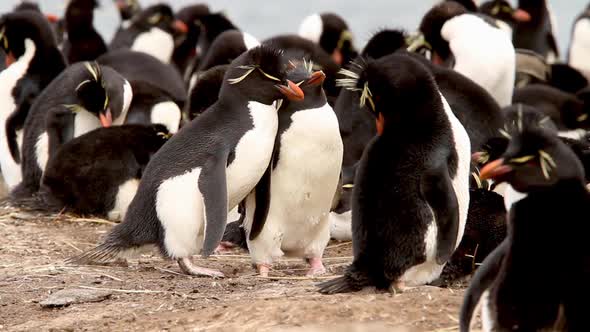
187 189
548 175
82 98
83 42
303 179
473 47
411 191
33 61
98 173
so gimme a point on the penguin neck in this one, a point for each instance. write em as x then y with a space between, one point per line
47 63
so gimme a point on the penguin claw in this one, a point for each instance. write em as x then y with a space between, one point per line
189 268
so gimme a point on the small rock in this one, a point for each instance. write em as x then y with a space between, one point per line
74 296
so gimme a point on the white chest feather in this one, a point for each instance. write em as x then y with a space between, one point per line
84 122
155 42
306 175
167 114
430 270
252 153
484 54
511 197
9 77
127 98
125 195
487 313
311 28
580 46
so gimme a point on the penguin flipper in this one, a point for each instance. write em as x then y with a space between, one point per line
213 186
437 188
262 194
16 120
481 281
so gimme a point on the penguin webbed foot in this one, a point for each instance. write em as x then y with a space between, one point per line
317 267
263 269
187 266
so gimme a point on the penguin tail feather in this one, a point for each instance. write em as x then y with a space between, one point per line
104 253
351 281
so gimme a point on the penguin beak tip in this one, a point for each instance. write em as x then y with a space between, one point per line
180 27
317 78
494 170
106 119
292 91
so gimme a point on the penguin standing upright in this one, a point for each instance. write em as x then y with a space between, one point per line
82 98
33 62
302 182
579 51
537 34
127 9
473 47
536 280
153 31
226 47
205 91
331 32
98 173
186 51
83 42
411 192
187 189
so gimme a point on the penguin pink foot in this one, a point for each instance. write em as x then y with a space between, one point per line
189 268
317 267
224 247
263 269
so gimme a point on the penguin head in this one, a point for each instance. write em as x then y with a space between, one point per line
396 89
128 8
211 26
535 157
384 42
103 92
80 13
18 27
261 75
503 11
431 27
331 32
159 16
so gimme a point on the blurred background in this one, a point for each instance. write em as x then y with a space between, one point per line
264 18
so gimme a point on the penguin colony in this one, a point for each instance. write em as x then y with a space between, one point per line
465 138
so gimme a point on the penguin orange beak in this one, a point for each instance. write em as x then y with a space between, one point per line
52 18
317 78
337 57
292 91
9 59
521 15
180 27
106 119
494 170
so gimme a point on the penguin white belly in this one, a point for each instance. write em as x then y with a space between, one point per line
125 195
42 151
430 270
155 42
511 197
9 77
179 201
252 153
85 122
302 187
341 226
484 54
168 114
487 314
580 46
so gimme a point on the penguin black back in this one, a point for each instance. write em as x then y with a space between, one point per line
224 49
206 91
84 43
85 173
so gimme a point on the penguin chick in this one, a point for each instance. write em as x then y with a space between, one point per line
206 169
546 241
411 194
98 173
297 194
84 97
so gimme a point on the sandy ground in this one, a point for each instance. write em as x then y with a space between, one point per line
151 295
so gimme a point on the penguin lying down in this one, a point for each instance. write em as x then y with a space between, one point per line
537 279
206 169
98 173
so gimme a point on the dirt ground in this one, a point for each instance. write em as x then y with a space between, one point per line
151 295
